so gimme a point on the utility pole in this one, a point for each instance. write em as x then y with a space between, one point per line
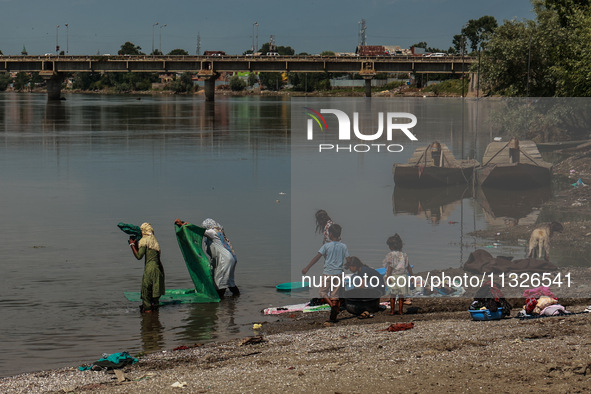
154 25
67 39
57 46
254 49
161 38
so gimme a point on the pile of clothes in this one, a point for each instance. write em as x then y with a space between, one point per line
540 301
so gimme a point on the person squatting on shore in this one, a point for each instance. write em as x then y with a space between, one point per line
367 276
153 278
335 253
222 255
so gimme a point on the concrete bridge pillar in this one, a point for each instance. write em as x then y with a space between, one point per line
368 87
209 77
53 81
368 73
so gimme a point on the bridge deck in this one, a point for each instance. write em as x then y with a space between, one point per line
350 64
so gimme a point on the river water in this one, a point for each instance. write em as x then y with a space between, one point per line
71 170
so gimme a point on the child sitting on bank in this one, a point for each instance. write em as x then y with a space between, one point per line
335 253
397 271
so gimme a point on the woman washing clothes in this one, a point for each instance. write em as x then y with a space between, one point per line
223 258
153 279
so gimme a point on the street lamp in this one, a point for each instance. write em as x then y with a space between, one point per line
253 25
67 39
161 37
257 45
154 25
57 47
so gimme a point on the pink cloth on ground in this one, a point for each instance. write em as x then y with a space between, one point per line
537 292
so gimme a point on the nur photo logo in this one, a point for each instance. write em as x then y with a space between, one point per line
389 124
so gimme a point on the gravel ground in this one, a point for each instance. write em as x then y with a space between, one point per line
444 352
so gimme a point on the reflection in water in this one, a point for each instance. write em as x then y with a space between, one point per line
512 207
55 115
205 321
435 204
152 332
200 323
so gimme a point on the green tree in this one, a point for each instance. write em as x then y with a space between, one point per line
565 10
504 62
252 79
5 80
183 83
178 52
237 84
459 44
130 49
477 30
549 56
309 82
21 81
327 53
85 81
271 81
156 52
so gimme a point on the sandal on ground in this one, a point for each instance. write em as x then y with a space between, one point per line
365 315
407 302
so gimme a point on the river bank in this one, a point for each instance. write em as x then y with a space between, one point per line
571 202
444 352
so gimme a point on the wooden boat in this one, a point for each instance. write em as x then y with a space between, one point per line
433 167
525 170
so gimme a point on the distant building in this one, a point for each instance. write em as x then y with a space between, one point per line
382 50
396 50
371 50
24 51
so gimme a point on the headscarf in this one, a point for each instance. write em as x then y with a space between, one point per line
211 224
148 240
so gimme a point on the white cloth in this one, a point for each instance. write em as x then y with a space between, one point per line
223 262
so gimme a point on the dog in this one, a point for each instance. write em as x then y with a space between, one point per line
540 239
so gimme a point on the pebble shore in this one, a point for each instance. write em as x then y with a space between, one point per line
445 352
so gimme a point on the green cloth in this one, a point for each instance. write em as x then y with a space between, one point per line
131 229
153 279
190 238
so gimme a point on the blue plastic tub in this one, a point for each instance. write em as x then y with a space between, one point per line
292 286
485 314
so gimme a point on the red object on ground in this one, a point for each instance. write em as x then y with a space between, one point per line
399 327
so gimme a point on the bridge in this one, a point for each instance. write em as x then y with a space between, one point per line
52 67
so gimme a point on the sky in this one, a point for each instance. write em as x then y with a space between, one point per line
312 26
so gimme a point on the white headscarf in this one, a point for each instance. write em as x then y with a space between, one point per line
211 224
148 240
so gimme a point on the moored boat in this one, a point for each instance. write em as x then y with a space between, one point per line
433 166
513 165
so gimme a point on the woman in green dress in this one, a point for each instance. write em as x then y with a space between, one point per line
153 279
